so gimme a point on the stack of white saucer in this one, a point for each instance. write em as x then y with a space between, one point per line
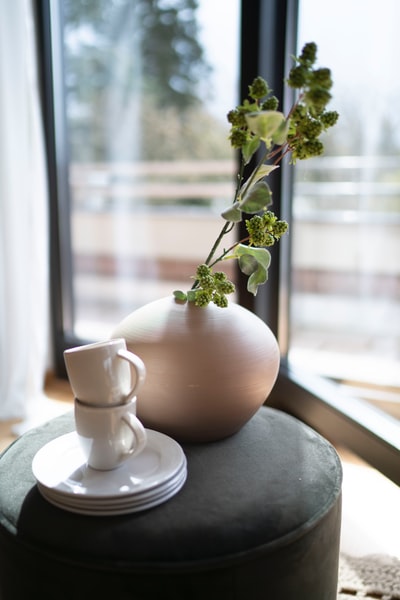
141 482
111 464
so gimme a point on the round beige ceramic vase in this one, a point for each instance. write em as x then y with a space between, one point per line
208 369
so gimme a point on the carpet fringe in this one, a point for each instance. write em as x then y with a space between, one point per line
375 576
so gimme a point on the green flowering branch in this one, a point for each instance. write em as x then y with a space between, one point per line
258 127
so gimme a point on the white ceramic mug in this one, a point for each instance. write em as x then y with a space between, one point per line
104 373
109 435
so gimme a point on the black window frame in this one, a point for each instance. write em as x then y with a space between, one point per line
363 429
268 40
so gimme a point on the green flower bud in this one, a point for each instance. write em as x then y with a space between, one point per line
220 300
225 287
297 77
317 98
269 240
269 219
238 138
220 276
329 118
236 118
222 283
207 282
310 128
298 150
254 224
322 77
258 89
202 271
280 228
308 54
308 149
257 239
271 103
298 113
255 229
314 148
202 298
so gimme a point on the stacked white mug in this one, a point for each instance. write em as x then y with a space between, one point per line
105 379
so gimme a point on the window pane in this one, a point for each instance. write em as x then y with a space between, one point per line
148 86
345 309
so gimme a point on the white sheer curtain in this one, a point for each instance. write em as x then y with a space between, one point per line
23 217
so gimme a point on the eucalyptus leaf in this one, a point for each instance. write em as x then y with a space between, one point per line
257 174
259 277
258 197
265 123
179 295
248 264
280 135
254 262
233 213
191 296
261 254
263 171
250 148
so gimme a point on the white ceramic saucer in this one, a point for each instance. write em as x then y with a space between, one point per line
129 506
153 476
117 501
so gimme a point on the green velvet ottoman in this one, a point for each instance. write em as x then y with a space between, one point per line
258 518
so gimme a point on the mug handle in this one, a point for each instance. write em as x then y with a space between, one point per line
139 435
138 371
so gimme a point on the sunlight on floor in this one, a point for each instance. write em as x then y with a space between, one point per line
370 518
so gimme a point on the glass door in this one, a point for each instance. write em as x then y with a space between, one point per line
149 167
345 297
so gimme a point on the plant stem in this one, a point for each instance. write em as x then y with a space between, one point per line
217 242
228 225
225 252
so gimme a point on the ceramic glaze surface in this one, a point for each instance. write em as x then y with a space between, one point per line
104 373
109 435
208 369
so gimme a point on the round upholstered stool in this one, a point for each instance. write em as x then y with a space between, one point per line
258 518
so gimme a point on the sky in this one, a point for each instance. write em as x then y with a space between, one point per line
219 34
359 40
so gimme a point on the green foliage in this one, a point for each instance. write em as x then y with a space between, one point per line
162 35
256 198
257 125
265 229
128 63
210 287
253 262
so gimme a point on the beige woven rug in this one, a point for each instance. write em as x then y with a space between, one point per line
374 576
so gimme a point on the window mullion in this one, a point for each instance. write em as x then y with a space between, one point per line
350 422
